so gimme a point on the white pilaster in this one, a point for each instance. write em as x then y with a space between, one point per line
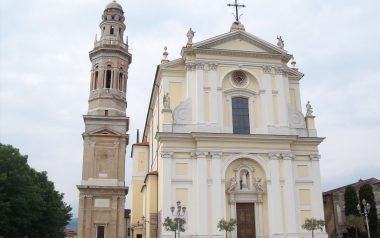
199 105
274 197
213 81
317 193
266 99
202 211
217 193
166 186
290 208
283 94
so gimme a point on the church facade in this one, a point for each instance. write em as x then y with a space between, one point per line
102 189
226 136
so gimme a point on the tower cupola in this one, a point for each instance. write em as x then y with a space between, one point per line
112 24
110 61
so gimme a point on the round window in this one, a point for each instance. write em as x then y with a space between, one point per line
239 79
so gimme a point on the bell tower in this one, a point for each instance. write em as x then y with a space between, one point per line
102 189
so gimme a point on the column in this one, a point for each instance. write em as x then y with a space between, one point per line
88 226
217 191
260 232
202 216
317 202
81 215
213 81
166 186
274 196
290 206
198 99
283 94
121 225
232 203
266 97
113 221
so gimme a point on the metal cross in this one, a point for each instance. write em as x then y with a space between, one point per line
236 5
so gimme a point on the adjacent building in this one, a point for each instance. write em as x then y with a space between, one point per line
334 206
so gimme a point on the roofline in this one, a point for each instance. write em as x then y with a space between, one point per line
150 108
375 181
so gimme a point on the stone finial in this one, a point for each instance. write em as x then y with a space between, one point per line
96 38
280 42
237 26
309 109
165 55
190 35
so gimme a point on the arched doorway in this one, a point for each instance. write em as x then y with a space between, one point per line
245 192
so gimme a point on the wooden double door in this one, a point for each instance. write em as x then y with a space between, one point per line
245 213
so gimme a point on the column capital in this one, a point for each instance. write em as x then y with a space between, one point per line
196 155
315 156
274 156
190 67
288 156
216 154
166 154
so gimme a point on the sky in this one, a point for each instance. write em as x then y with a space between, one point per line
45 73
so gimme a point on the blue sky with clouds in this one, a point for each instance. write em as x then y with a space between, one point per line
45 72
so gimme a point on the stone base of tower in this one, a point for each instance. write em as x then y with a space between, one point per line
101 210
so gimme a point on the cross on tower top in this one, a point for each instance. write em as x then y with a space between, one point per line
236 5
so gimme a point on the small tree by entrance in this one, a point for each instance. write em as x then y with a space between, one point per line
226 226
172 225
313 224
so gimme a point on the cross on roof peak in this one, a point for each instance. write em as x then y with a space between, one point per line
236 5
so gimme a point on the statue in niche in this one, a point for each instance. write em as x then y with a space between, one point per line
233 184
244 185
259 184
166 101
190 36
280 42
309 109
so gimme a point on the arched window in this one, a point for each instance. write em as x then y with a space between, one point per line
96 76
108 77
240 115
121 81
112 29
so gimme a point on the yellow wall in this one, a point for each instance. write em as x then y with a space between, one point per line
175 92
302 171
181 169
182 195
305 214
304 197
137 198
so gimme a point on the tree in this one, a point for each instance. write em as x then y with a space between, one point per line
29 204
355 222
172 225
313 224
226 226
366 192
350 203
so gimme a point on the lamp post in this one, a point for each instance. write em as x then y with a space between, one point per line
178 214
366 209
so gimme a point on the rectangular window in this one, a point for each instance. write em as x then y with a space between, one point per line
240 115
100 232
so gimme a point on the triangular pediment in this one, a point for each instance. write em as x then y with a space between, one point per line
104 132
241 45
239 41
